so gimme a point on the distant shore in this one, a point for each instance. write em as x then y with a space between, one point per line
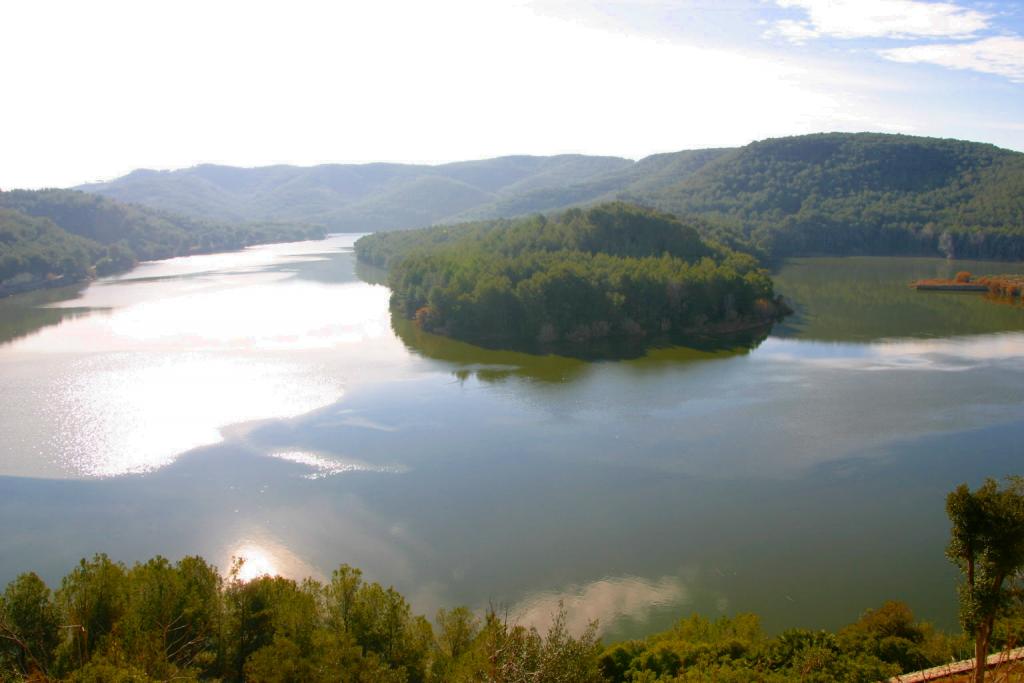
925 285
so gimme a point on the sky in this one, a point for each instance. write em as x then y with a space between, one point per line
96 88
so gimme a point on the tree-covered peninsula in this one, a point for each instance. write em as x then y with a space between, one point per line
614 270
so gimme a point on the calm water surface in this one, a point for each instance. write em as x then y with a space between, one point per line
263 404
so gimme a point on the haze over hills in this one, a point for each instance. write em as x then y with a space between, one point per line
832 193
358 197
365 197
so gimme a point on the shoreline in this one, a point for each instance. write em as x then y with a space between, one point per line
64 281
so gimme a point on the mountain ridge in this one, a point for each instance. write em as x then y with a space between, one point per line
823 193
356 205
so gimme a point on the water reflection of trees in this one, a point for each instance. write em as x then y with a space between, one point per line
864 299
372 275
24 314
567 362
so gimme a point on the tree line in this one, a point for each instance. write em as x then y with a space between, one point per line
66 235
158 621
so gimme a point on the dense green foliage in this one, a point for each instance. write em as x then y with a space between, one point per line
861 194
66 235
834 193
612 270
183 621
882 643
987 544
33 247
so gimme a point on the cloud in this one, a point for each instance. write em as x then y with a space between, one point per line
879 19
999 55
452 79
909 20
798 32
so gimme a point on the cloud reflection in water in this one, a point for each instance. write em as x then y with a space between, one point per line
606 601
955 354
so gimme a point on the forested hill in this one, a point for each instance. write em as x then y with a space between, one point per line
59 236
614 270
861 194
829 193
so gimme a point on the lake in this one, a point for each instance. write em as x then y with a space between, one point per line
264 405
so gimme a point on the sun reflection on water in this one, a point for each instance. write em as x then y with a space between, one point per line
134 412
183 349
324 466
252 562
253 557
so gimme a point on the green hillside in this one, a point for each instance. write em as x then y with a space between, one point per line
57 236
648 174
861 194
33 248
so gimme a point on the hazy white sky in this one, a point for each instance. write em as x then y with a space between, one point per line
94 89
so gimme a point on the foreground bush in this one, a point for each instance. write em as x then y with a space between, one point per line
158 621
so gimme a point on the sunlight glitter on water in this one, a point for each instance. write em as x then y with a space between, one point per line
323 466
177 350
260 556
234 261
254 562
136 412
283 316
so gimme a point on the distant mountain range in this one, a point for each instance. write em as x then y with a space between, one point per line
830 193
370 197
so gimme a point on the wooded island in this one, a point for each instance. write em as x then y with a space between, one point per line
615 270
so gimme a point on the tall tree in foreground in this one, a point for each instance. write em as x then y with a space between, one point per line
988 545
